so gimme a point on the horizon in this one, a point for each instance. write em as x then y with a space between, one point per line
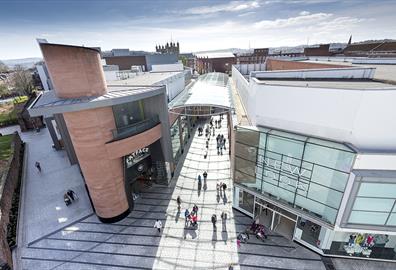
221 24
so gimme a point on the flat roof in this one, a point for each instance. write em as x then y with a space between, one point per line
146 78
215 55
382 72
48 103
329 83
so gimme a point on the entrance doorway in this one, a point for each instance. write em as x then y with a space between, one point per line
275 218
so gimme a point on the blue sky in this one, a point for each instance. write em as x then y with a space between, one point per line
197 25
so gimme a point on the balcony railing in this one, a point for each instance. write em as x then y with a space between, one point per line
136 128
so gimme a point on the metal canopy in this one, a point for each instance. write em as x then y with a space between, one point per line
211 89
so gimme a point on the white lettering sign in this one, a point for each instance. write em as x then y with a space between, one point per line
285 166
136 156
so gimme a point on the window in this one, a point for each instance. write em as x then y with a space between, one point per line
307 173
375 202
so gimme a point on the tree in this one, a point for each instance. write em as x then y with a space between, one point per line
22 81
3 67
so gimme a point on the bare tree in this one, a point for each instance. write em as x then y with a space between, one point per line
22 81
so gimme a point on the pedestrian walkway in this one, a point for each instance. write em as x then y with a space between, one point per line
133 243
42 208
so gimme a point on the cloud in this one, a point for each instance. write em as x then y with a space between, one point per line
302 19
304 13
230 7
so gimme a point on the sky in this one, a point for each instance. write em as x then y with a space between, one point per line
197 25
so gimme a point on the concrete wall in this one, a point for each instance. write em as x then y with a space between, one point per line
160 59
334 73
8 183
126 62
90 130
167 67
74 71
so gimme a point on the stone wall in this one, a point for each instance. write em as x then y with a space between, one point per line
8 182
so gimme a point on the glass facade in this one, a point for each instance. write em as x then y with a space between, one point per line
175 137
375 202
302 172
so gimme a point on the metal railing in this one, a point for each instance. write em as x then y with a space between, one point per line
136 128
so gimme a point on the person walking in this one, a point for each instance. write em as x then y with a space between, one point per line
207 143
214 219
195 209
38 166
178 200
158 225
199 178
205 175
221 187
224 186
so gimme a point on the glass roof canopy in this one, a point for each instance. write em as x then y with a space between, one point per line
211 89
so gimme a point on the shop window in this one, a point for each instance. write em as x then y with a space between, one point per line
246 201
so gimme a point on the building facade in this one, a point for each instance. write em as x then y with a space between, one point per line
316 165
120 135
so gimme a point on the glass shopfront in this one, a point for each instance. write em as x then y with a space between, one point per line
301 172
375 202
175 138
365 245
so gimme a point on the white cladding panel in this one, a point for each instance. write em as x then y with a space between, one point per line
364 118
167 67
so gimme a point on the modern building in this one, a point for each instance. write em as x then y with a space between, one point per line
118 132
127 60
214 62
318 162
258 56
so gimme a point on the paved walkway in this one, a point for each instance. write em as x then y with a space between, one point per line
43 210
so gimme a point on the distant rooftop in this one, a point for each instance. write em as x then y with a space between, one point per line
215 55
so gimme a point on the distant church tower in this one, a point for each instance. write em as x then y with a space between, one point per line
168 48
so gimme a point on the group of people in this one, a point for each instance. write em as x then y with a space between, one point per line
205 176
191 218
69 197
221 188
221 144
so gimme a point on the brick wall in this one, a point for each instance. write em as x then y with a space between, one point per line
8 183
273 64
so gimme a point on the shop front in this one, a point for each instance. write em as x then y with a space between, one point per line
294 184
142 168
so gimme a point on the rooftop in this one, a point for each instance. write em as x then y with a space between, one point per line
210 89
144 79
329 83
48 103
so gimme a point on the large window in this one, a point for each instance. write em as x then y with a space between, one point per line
128 113
375 202
306 173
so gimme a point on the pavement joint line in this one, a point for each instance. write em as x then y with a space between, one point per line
278 256
113 253
58 230
86 263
